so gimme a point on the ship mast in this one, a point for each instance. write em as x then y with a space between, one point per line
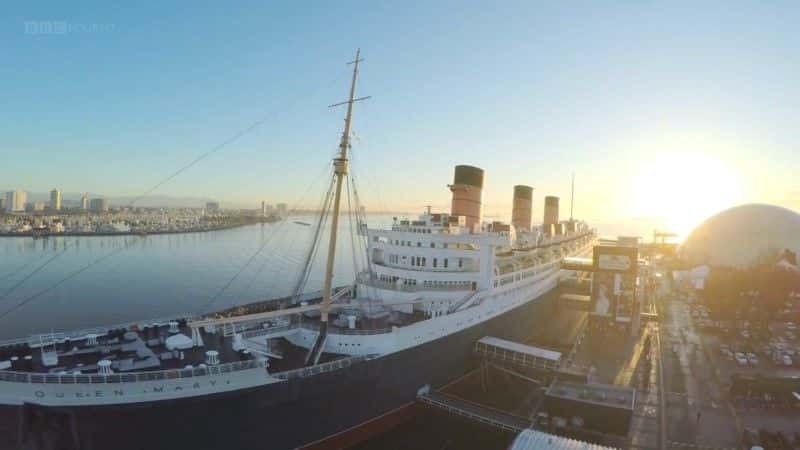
340 168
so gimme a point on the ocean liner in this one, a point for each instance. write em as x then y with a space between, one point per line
304 369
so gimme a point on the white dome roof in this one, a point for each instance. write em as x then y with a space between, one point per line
743 236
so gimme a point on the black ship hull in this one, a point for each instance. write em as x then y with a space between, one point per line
277 416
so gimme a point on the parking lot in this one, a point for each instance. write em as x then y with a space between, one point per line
702 358
750 348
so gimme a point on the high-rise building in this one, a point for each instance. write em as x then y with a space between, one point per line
212 207
85 202
263 209
15 201
2 203
38 205
98 205
55 200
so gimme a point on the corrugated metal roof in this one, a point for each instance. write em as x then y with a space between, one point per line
521 348
535 440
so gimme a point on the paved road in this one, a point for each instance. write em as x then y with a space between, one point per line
645 426
698 412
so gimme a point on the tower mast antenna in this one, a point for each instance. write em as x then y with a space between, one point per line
572 197
340 170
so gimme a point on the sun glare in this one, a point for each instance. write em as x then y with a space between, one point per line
679 190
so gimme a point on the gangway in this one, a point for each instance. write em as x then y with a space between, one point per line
474 411
517 354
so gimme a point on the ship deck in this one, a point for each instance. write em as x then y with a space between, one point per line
143 347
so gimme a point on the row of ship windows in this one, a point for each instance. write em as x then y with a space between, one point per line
422 261
400 243
418 230
516 277
426 283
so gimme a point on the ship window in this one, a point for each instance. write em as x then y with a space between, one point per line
434 262
460 263
419 244
445 262
433 245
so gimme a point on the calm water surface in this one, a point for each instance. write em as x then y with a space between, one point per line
158 275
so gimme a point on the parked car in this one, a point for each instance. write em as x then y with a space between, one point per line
752 359
791 326
787 360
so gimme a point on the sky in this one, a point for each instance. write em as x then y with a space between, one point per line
663 110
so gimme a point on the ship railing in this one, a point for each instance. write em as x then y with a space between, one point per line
265 331
156 375
314 326
34 340
366 280
321 368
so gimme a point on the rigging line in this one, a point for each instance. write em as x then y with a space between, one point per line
242 269
361 239
362 225
257 252
373 186
363 242
30 275
353 249
306 272
23 267
225 143
128 243
301 263
239 272
215 149
291 260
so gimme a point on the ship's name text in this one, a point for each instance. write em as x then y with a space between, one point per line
121 392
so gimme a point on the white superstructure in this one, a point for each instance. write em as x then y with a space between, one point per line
436 270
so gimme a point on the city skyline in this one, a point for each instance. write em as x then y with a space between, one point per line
73 200
669 112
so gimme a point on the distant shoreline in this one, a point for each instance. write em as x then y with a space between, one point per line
38 235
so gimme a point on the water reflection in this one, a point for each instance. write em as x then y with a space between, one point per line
156 275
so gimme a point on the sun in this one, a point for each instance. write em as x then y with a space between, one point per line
680 189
